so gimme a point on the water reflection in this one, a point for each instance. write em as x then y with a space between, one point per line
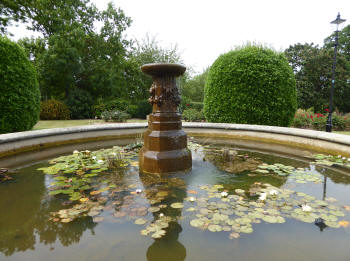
168 247
25 221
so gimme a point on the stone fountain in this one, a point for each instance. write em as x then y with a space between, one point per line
165 143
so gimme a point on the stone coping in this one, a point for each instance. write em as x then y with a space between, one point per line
26 135
311 134
14 143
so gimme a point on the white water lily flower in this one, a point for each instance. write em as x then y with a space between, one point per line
224 194
306 208
161 215
348 159
343 158
93 157
75 152
138 191
273 192
262 196
100 161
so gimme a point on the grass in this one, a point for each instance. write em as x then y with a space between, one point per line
343 132
71 123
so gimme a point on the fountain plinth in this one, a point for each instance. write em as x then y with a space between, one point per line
165 143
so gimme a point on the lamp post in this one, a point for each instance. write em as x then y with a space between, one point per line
336 22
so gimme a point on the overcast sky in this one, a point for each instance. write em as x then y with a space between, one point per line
204 29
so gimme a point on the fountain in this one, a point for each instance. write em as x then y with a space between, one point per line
165 143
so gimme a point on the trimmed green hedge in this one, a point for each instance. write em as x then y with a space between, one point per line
251 85
19 89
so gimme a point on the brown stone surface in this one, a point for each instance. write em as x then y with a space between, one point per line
165 143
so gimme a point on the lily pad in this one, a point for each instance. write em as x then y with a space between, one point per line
177 205
140 221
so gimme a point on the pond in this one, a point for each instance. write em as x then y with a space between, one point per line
235 204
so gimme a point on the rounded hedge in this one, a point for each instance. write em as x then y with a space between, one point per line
251 85
19 89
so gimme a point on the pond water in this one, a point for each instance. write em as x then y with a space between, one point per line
233 205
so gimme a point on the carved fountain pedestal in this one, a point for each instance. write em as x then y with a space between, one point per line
165 143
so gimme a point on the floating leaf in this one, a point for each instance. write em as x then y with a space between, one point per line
153 209
214 228
344 223
196 223
140 221
177 205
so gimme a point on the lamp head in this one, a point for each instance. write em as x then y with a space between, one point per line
337 22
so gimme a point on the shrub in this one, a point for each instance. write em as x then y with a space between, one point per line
185 103
347 121
253 85
19 89
339 123
319 123
143 109
80 103
193 115
54 110
116 104
132 110
115 116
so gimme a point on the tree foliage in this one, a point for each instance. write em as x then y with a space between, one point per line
194 87
312 66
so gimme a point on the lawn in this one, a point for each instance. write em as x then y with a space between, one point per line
343 132
71 123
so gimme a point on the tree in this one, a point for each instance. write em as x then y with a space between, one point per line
13 11
312 67
149 50
343 42
73 53
194 87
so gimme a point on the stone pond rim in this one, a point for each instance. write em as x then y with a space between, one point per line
20 148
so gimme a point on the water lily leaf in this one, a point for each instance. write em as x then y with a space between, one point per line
246 229
190 209
158 234
140 221
337 213
153 209
270 219
56 192
234 235
98 219
239 191
177 205
214 228
344 223
196 223
66 220
332 224
346 208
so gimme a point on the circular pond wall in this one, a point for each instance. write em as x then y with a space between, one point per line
24 147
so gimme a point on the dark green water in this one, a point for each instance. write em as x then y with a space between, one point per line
27 234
